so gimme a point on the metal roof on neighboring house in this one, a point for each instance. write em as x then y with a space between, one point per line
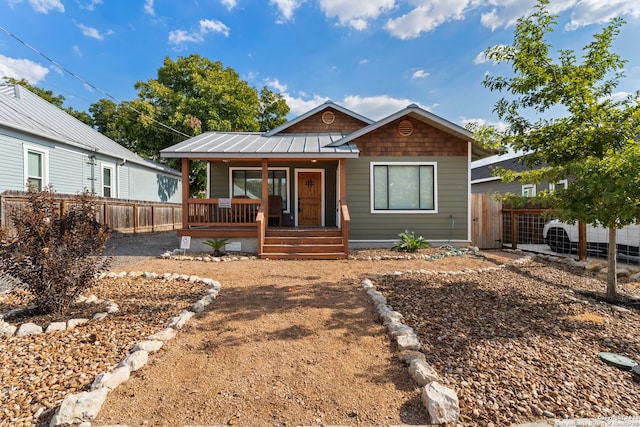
216 145
25 111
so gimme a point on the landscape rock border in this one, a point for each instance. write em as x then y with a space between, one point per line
81 408
440 402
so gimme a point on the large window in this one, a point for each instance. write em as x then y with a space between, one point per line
403 187
35 161
107 181
248 183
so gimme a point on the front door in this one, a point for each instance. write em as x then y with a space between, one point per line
309 198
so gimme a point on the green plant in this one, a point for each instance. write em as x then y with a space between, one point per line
409 242
58 255
217 244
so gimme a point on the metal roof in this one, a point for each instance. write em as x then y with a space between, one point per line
25 111
217 145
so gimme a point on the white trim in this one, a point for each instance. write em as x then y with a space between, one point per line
372 209
114 184
338 207
481 180
295 172
529 186
469 193
552 186
286 169
45 164
208 189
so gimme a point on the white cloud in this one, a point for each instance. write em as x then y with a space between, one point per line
22 69
91 5
93 32
481 57
229 4
301 104
377 107
286 8
355 14
42 6
275 83
76 50
364 61
589 12
428 15
501 126
148 7
505 13
420 74
205 26
213 26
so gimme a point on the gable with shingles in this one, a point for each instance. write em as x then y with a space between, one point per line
425 140
341 123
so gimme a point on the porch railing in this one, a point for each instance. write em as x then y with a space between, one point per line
222 212
345 219
262 228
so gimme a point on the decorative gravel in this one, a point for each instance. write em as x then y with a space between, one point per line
522 343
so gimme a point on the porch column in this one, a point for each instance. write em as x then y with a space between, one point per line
265 186
185 193
343 181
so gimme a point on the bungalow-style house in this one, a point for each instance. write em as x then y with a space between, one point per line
42 145
331 179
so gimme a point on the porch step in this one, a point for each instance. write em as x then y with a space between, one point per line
304 255
303 244
303 248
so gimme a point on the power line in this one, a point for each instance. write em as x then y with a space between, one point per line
86 83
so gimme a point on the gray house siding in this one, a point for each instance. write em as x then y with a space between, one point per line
449 224
145 184
11 164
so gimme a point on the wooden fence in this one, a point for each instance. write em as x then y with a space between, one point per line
124 216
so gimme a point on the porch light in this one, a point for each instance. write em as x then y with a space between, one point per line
313 161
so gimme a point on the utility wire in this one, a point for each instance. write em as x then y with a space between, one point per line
66 70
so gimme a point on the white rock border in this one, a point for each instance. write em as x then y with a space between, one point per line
81 408
440 402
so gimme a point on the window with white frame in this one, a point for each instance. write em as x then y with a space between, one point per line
529 190
558 185
108 188
247 182
36 163
408 187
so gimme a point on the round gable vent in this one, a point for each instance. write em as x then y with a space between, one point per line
405 128
328 117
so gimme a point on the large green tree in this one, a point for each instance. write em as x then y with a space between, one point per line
190 95
560 109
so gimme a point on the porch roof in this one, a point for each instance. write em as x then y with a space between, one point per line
222 145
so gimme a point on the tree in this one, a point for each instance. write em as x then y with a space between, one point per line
56 254
57 100
561 112
190 95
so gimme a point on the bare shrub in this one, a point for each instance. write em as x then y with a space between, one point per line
56 254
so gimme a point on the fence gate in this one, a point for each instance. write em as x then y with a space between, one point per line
486 221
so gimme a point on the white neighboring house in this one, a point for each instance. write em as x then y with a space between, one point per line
43 145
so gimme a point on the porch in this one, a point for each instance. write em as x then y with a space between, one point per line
248 218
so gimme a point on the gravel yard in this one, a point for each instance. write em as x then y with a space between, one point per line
298 343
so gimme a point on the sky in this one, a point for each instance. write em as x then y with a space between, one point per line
374 57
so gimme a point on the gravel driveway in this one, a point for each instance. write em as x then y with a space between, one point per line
129 248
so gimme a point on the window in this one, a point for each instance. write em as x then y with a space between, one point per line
36 161
529 190
248 183
403 187
558 185
107 181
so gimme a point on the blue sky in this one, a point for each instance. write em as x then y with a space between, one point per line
372 56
